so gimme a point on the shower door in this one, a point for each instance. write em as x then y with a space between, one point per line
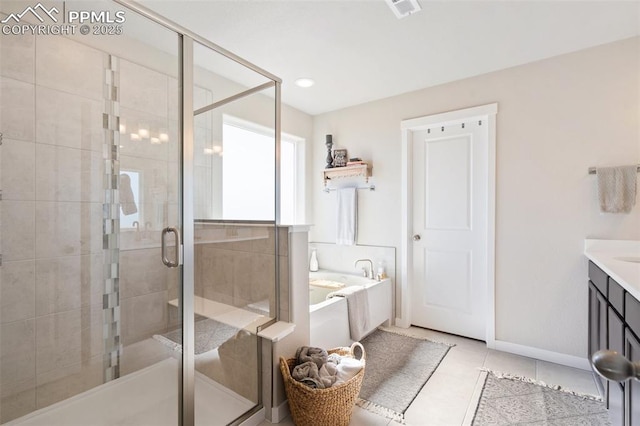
115 258
90 176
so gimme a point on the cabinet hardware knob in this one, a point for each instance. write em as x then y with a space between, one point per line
613 366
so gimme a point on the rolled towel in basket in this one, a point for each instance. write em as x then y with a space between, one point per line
316 355
347 369
328 374
307 373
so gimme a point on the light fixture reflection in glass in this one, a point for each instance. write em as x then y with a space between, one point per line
123 129
143 132
135 137
164 137
155 141
208 151
217 149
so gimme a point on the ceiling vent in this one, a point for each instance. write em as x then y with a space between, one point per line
403 8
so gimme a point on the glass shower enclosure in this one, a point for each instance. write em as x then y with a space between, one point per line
131 289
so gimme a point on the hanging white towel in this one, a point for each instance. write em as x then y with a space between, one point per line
347 216
617 188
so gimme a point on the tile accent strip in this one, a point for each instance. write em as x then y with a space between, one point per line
111 221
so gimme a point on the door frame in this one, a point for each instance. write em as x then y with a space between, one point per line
483 112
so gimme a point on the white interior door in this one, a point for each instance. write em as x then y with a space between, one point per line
450 192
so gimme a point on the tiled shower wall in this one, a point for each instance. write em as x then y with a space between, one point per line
51 278
235 264
149 99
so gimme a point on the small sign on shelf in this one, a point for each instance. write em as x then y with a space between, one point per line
339 157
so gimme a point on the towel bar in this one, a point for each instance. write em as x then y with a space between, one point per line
369 187
592 170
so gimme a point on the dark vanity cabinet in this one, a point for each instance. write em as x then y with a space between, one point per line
597 328
614 323
632 348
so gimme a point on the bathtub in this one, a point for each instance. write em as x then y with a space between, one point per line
329 319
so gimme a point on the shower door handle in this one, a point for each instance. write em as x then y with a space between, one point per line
176 235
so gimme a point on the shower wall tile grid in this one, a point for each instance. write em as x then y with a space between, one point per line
148 102
111 225
51 228
242 272
236 266
52 174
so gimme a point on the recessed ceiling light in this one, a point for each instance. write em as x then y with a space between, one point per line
305 82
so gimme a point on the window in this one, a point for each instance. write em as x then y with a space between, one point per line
248 173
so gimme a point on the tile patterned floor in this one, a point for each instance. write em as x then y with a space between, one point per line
507 401
450 396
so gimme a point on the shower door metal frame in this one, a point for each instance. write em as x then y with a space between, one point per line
187 38
182 31
277 141
187 293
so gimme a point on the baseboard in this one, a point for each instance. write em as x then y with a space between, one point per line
542 354
280 412
402 323
528 351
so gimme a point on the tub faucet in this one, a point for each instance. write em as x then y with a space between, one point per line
365 272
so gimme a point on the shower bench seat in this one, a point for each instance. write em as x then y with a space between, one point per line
249 321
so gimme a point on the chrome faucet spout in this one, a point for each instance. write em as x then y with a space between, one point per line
368 273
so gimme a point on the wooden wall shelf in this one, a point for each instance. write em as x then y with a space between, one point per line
359 170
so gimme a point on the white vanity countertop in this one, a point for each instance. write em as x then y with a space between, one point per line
609 255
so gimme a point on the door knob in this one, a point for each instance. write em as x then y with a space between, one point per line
416 237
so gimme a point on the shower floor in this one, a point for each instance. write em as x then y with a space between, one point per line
147 397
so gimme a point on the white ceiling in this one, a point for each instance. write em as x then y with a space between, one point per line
358 51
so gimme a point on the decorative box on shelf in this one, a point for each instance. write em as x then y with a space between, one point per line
357 170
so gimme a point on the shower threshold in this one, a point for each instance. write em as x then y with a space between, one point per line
146 397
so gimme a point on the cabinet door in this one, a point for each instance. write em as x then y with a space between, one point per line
615 391
593 319
597 331
601 337
603 342
632 391
597 320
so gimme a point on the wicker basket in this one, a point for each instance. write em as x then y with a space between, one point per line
322 407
